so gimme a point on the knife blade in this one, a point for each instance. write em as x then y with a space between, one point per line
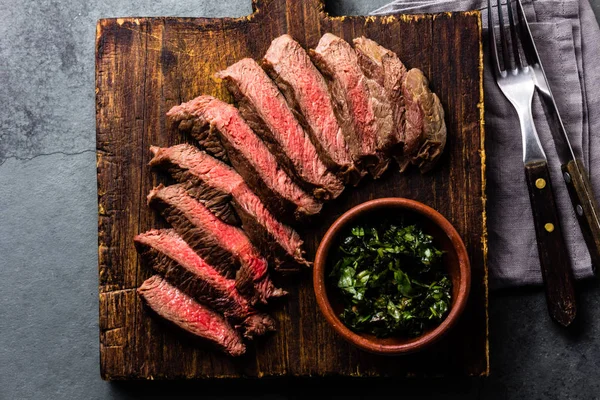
574 173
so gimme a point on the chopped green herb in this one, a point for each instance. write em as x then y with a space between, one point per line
391 280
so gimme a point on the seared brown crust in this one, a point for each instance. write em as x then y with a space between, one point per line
425 128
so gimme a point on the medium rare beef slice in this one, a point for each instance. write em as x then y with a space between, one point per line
264 108
181 310
250 157
187 164
194 223
223 246
384 66
425 128
361 104
305 90
173 258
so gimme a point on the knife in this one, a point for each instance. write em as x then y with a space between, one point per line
574 174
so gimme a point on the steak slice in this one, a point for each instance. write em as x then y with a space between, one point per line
425 128
264 108
250 157
173 258
189 165
361 104
306 92
180 309
384 66
223 246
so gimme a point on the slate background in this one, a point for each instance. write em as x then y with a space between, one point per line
48 223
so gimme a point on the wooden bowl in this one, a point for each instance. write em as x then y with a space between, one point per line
445 237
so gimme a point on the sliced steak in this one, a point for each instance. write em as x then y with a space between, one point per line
223 246
264 108
250 157
194 167
173 258
384 66
181 310
305 90
361 104
425 128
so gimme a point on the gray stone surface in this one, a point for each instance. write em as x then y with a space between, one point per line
48 276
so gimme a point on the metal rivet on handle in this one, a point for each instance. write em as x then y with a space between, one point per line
549 227
579 210
540 183
567 177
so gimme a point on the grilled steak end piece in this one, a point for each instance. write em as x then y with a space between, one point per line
305 90
425 128
169 255
181 310
197 226
251 158
265 110
360 104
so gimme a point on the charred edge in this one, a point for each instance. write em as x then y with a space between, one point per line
257 290
206 135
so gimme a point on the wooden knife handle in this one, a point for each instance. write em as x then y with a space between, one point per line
554 258
586 207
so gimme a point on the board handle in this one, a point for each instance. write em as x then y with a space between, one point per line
268 6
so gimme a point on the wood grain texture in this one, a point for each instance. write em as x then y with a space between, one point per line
555 262
144 66
586 207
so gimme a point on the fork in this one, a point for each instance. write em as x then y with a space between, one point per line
516 81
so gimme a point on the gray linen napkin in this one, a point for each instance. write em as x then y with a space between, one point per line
568 39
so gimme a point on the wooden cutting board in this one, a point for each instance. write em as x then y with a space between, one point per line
144 66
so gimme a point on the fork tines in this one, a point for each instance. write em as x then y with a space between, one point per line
514 61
